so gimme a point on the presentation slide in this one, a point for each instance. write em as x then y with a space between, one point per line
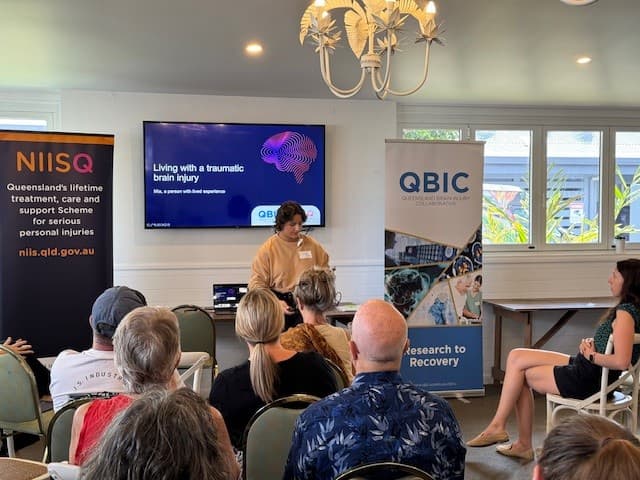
231 175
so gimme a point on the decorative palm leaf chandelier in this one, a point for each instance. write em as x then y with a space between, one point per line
373 24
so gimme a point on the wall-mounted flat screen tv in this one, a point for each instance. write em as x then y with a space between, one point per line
205 175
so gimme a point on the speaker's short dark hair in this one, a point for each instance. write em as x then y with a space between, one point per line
287 211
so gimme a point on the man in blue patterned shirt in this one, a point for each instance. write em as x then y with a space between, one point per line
379 417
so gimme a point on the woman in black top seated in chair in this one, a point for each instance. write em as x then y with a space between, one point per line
271 372
576 377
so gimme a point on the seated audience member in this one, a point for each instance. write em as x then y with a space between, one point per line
93 371
379 417
147 351
576 376
161 436
271 372
40 372
589 447
315 294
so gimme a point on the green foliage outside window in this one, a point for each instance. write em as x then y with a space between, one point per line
431 134
503 225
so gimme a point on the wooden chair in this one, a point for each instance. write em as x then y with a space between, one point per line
267 438
21 469
19 400
608 402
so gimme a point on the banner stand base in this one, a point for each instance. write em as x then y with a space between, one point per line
461 394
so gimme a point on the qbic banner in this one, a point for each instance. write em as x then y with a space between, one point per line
433 259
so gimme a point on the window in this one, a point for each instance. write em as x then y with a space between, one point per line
506 206
573 187
23 124
432 134
626 210
29 110
552 181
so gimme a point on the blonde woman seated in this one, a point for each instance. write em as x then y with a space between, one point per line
146 348
589 447
161 436
271 372
315 294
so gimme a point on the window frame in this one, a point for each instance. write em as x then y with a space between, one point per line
539 120
32 106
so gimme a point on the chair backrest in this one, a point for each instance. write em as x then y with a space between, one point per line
197 330
59 431
608 401
19 399
193 362
632 373
341 378
384 470
63 471
267 438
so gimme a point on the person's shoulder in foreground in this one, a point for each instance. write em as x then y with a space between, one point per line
379 417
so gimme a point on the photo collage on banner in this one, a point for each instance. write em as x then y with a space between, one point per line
433 259
447 279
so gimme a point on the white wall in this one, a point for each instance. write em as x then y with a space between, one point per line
179 266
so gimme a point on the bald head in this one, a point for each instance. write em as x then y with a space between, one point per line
379 336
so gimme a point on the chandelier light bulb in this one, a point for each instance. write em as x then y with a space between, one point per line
430 7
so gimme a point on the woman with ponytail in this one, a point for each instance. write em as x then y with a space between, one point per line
271 372
589 446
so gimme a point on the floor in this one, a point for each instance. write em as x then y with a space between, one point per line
473 414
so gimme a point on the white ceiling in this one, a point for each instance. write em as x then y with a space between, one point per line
497 51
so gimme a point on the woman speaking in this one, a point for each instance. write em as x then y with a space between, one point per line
284 256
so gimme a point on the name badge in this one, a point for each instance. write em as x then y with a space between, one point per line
304 254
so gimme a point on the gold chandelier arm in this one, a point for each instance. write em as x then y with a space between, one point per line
325 69
380 93
425 73
378 85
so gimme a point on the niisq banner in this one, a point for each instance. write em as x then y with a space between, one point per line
433 259
55 235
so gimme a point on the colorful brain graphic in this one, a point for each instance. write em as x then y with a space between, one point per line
290 152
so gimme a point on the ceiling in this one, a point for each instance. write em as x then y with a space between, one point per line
496 51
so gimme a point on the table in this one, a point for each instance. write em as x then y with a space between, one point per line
523 310
20 469
343 316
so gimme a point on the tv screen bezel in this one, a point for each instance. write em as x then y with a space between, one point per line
323 222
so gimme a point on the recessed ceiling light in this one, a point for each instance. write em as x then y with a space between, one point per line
583 60
577 3
253 49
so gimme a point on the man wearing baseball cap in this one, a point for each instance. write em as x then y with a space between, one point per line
92 371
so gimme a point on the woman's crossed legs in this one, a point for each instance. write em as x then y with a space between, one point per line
526 370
